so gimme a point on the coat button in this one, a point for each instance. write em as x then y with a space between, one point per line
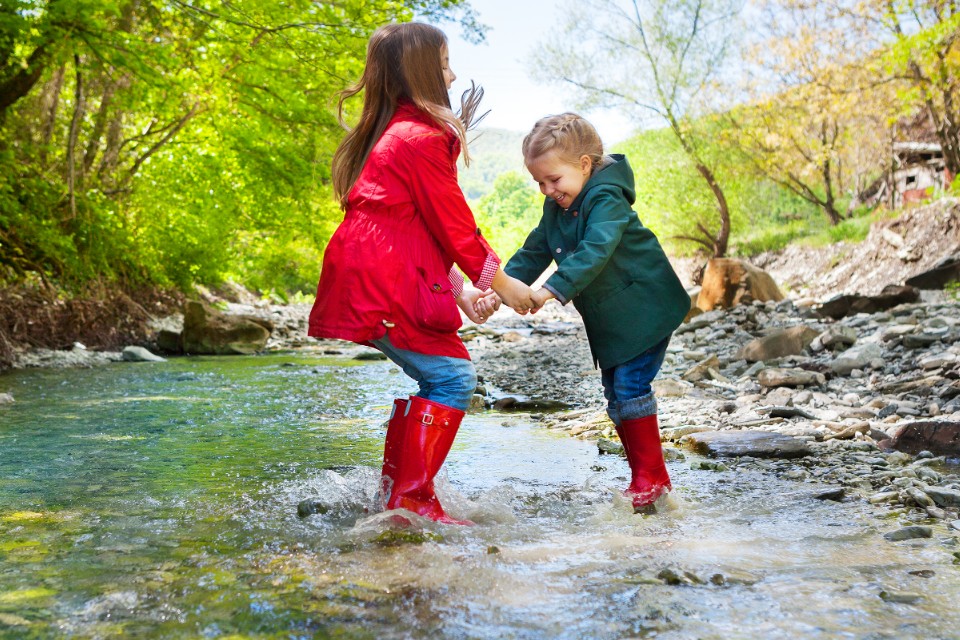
574 214
559 250
436 287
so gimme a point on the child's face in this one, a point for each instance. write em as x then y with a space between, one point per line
558 178
448 75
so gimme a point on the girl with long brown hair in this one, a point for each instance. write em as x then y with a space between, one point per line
388 278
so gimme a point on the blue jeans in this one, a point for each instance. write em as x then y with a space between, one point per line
442 379
627 387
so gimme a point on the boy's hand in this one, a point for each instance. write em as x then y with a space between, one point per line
540 298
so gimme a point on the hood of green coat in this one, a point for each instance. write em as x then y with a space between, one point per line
618 174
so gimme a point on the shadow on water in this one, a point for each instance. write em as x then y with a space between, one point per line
161 500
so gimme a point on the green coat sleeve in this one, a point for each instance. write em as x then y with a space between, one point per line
608 216
532 259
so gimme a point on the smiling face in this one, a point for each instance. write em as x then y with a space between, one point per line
558 178
448 75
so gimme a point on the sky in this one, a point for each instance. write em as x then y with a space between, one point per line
502 66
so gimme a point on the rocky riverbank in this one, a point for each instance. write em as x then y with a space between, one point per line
832 413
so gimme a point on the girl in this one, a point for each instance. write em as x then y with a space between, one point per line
387 279
616 274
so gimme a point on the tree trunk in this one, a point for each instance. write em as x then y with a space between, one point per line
78 109
49 104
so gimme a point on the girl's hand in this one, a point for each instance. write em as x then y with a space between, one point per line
468 304
488 303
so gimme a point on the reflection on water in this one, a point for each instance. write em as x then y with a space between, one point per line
160 500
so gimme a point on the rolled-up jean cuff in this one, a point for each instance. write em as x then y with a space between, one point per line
635 408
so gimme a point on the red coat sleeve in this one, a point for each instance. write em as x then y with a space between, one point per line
438 197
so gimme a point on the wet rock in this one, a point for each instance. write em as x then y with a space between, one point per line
310 507
728 282
836 494
207 331
708 465
909 533
941 437
139 354
510 403
757 444
477 403
955 524
610 447
169 341
775 377
856 357
673 577
900 597
6 398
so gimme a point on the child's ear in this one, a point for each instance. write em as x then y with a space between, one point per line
586 165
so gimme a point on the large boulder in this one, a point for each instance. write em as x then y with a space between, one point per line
852 304
944 272
939 437
207 331
728 282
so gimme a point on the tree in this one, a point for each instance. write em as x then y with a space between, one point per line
661 58
177 141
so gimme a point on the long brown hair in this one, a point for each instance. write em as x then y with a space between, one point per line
403 61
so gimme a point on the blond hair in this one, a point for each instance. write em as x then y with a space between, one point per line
403 61
570 135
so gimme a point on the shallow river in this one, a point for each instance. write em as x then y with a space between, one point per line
160 500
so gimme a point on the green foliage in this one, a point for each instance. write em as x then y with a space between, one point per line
170 143
509 212
493 152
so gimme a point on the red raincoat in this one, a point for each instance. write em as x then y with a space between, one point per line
387 267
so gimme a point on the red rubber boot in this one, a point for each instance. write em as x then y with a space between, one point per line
649 478
419 437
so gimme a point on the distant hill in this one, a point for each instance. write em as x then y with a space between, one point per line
492 152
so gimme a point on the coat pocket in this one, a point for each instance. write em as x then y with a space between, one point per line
436 308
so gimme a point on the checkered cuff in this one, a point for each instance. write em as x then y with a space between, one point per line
490 266
456 282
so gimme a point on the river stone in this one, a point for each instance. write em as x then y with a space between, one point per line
207 331
773 377
943 497
786 342
900 597
139 354
856 357
940 437
909 533
955 524
675 433
6 398
757 444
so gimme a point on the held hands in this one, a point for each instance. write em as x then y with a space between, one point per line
517 295
468 302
